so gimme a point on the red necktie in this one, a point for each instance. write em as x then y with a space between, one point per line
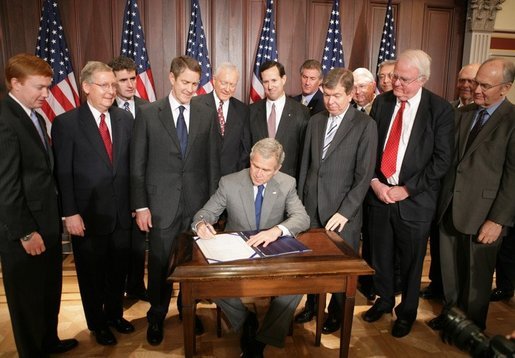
221 119
389 160
106 138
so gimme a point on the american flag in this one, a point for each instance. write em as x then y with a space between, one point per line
197 48
387 45
133 46
333 50
51 47
267 51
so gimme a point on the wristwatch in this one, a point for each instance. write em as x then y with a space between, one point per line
27 237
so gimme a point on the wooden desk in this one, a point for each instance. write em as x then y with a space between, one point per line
331 266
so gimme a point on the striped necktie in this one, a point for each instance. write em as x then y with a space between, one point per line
332 125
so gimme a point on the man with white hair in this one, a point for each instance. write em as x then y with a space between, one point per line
415 144
364 89
466 85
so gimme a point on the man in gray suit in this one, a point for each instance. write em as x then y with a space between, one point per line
477 200
279 117
337 165
174 169
282 213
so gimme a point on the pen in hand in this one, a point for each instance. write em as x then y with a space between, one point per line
210 230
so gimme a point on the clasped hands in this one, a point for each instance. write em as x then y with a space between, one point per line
389 194
206 231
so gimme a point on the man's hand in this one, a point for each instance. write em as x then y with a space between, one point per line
265 237
205 230
144 220
398 193
34 246
75 225
489 232
336 222
382 191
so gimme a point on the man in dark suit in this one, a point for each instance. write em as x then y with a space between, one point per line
279 117
383 75
478 193
466 96
310 79
30 227
91 145
232 119
338 162
124 70
415 134
364 89
282 214
174 169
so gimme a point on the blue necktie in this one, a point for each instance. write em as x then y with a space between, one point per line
182 131
258 204
35 120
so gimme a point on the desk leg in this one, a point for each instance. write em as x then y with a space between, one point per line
348 314
188 319
320 304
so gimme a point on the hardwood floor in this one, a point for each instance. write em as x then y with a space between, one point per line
368 339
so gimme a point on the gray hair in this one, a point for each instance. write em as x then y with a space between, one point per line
228 67
420 60
362 73
91 68
385 63
268 148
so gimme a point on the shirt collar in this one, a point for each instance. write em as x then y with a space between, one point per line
175 104
25 108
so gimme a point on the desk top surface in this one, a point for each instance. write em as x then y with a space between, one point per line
329 256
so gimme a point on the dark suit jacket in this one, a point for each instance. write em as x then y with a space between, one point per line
235 144
338 184
281 204
160 177
28 195
290 133
316 104
89 184
428 155
481 181
137 101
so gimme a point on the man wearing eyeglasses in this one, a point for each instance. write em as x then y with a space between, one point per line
91 145
415 136
232 119
477 201
466 85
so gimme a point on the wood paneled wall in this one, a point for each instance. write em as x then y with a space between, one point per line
93 30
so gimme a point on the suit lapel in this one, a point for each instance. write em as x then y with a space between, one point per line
268 201
262 119
285 123
343 129
117 138
418 130
90 130
246 192
464 130
196 119
386 116
166 118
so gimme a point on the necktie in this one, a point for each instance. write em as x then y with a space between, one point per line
35 121
329 135
362 109
305 102
221 119
106 138
258 203
389 160
480 122
126 106
271 122
182 131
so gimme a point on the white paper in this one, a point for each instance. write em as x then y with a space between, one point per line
225 247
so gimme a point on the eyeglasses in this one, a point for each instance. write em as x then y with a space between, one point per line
106 86
404 81
485 86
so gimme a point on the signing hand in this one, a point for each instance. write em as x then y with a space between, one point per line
75 225
144 220
336 222
205 230
34 246
265 237
489 232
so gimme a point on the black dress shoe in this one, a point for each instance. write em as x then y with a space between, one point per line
430 293
305 315
437 323
199 327
62 346
121 325
401 328
248 331
104 337
374 313
155 333
368 292
141 295
500 295
254 349
331 324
